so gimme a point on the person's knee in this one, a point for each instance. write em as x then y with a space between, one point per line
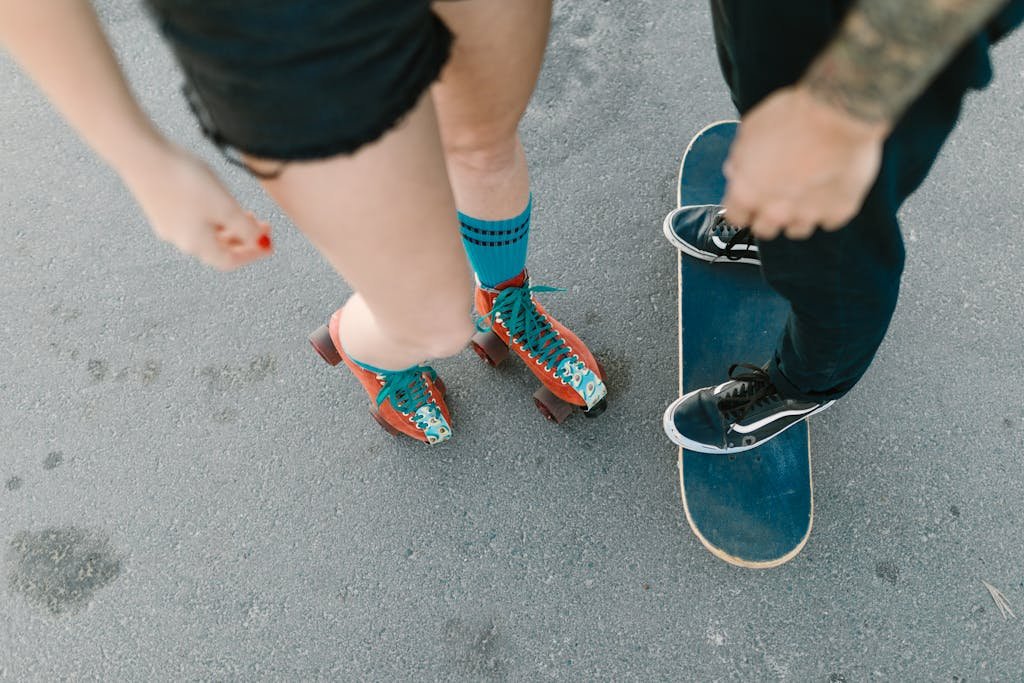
483 149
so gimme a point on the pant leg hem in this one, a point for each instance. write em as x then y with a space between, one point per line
790 390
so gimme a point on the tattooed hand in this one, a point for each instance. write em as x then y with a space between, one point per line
807 156
798 164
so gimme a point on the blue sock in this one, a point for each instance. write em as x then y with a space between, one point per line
496 249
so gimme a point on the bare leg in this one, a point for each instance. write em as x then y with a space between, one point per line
385 220
482 94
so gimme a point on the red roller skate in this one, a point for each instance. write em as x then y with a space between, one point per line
570 375
409 401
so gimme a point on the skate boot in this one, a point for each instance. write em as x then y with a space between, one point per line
409 402
570 376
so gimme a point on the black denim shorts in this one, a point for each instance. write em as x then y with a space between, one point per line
302 79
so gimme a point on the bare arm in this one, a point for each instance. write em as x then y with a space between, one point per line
888 51
60 44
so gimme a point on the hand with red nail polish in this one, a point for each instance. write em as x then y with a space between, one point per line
188 206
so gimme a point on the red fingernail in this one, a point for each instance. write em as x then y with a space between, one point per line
264 241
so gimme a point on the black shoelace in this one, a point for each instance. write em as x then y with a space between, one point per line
754 389
736 236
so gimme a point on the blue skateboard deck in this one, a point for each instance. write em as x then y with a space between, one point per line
754 508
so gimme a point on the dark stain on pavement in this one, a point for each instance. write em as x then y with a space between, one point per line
576 71
61 350
575 32
228 377
888 571
100 370
954 510
53 460
59 569
475 649
13 484
97 369
225 416
58 343
149 371
579 49
64 313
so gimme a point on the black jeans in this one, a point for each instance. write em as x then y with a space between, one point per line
842 286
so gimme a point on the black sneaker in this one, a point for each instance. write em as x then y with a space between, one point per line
702 232
740 414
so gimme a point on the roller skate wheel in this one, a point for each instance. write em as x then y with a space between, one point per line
489 347
599 408
324 345
550 406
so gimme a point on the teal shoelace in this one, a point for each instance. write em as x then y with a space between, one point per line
407 389
526 326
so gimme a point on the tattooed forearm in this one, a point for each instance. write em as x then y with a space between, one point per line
887 51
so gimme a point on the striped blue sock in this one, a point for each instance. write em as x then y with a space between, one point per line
496 249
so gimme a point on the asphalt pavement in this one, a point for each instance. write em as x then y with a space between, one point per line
188 493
